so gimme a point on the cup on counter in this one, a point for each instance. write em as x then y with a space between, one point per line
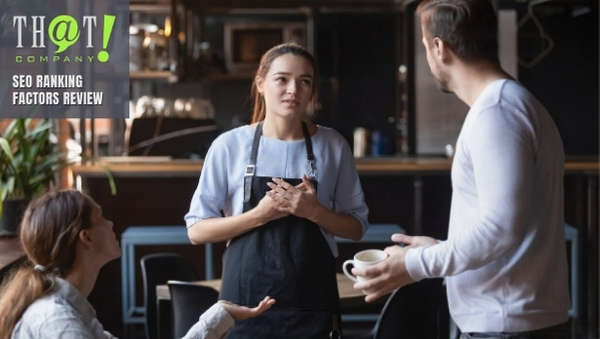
363 259
360 142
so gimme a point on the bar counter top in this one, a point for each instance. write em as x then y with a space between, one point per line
165 167
10 252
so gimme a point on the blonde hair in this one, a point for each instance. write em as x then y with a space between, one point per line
48 233
259 110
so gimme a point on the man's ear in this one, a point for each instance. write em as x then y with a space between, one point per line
440 50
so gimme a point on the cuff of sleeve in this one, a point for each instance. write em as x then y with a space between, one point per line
190 221
223 321
413 266
216 322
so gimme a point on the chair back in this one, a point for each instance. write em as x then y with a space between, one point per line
412 312
157 269
189 301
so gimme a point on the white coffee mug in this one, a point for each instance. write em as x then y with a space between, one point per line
362 259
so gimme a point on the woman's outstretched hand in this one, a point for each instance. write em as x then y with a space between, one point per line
242 312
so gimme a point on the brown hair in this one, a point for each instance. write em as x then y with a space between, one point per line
259 110
49 233
468 27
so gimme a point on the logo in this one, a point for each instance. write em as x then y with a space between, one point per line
63 31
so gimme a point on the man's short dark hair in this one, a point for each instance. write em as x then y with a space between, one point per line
468 27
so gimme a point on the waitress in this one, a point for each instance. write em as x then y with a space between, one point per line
279 190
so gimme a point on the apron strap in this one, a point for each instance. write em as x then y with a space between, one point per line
251 167
310 157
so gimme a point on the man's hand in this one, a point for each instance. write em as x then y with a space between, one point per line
384 277
413 242
390 274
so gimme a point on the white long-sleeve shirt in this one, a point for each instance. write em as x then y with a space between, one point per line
505 257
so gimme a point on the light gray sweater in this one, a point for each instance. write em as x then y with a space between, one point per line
505 256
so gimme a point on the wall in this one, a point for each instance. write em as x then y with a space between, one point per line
566 80
356 55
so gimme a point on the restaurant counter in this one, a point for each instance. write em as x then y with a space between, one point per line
11 254
165 167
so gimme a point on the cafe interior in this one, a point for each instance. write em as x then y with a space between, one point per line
191 65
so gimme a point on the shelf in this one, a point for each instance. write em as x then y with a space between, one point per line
227 76
289 3
153 75
150 8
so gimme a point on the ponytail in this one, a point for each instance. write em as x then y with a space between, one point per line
49 234
20 289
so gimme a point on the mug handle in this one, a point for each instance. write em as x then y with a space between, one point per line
348 274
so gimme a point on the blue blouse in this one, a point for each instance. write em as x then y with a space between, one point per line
221 182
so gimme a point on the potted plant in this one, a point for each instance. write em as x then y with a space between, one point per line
29 162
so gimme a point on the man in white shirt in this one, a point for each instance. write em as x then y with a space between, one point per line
505 258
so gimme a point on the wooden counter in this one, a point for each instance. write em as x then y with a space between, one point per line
148 167
11 254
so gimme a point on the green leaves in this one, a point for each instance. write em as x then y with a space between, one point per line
29 161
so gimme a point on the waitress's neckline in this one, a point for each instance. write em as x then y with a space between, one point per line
252 129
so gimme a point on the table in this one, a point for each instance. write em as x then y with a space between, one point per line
349 297
11 253
177 235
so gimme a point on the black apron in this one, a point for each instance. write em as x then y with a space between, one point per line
287 259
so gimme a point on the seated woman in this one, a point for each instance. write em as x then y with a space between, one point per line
67 241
